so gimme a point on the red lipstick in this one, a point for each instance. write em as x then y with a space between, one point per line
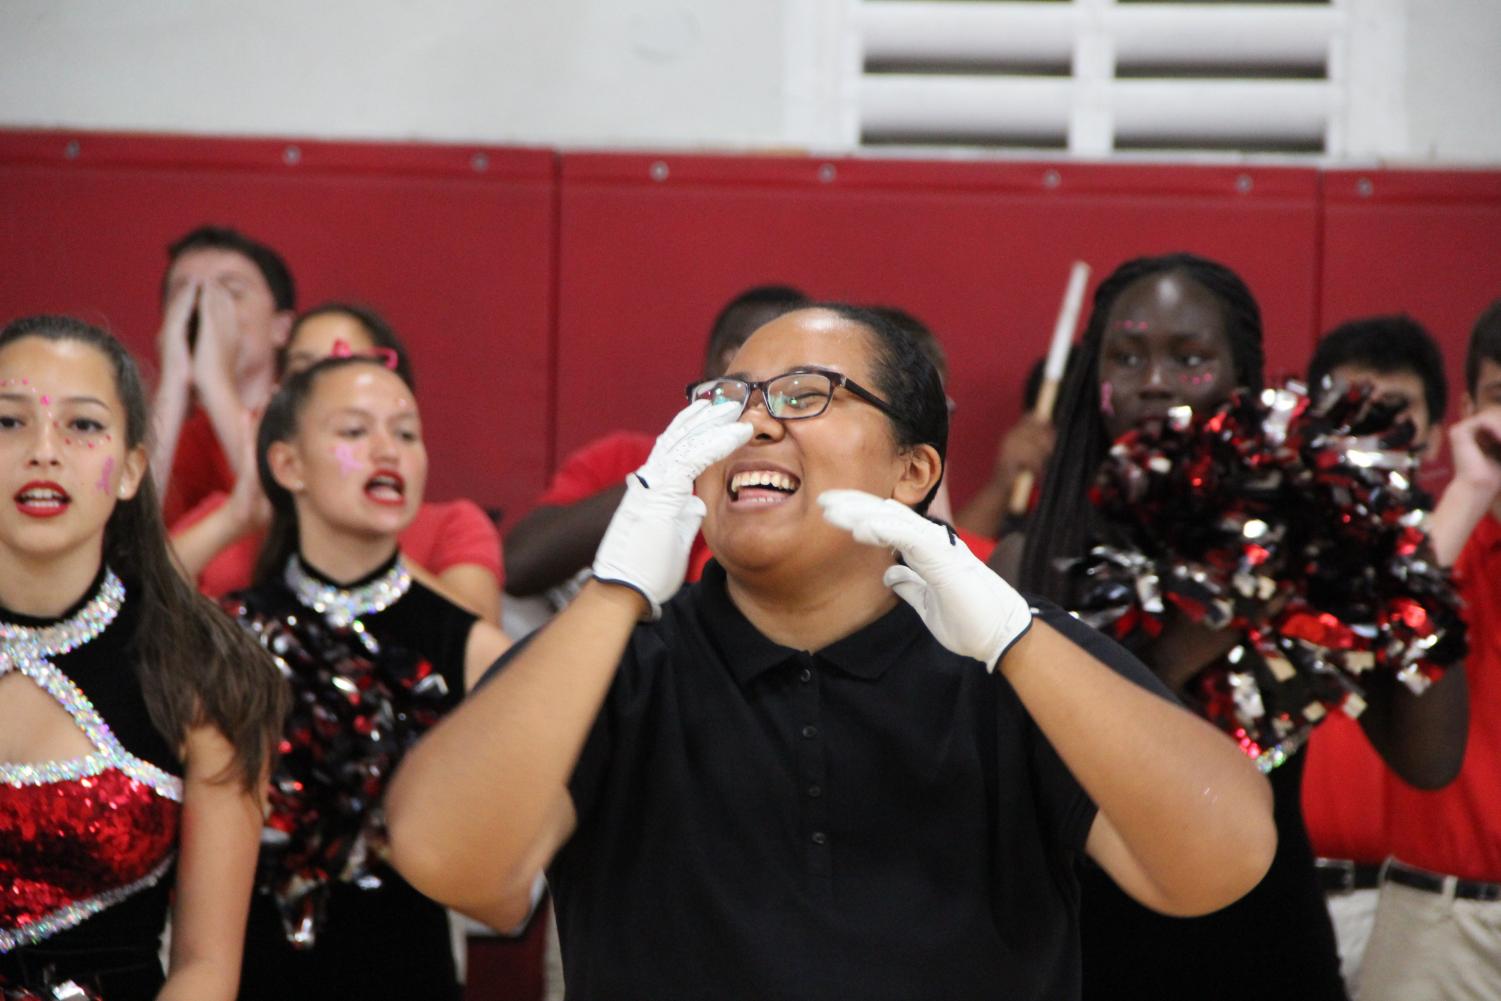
387 487
42 499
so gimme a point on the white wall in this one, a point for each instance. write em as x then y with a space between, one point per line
733 74
1454 80
549 72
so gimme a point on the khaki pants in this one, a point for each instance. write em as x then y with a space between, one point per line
1353 913
1431 947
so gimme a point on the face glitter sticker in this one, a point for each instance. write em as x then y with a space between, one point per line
1107 403
348 464
105 474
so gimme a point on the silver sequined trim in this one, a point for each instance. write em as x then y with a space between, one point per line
40 642
26 649
341 607
74 913
110 754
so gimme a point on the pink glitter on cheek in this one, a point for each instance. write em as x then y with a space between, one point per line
347 462
1107 401
105 474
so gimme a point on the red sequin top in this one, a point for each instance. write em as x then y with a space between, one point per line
73 847
80 836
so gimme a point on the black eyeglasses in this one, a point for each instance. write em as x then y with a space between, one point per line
791 396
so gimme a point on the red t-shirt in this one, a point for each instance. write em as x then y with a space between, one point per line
442 535
601 464
1457 829
199 468
604 463
1344 793
978 544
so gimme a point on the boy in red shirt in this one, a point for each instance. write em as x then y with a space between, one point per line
1344 780
228 304
1438 921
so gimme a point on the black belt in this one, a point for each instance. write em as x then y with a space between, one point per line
1341 875
1433 882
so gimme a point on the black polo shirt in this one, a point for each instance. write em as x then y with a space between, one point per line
880 819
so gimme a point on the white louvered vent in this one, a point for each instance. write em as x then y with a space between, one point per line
1098 76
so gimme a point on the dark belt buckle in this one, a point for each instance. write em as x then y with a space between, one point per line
1336 875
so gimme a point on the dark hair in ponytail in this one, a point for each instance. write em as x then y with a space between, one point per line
1060 528
279 423
197 666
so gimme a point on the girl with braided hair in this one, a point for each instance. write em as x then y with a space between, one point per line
1114 384
1167 331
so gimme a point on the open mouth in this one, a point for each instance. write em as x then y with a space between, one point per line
763 486
386 487
42 500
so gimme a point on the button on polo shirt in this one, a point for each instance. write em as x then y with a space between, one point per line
880 819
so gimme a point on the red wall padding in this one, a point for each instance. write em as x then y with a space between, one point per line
979 251
1422 242
460 259
549 298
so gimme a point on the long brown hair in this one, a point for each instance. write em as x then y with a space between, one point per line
197 665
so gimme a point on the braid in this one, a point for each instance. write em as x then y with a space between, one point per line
1061 528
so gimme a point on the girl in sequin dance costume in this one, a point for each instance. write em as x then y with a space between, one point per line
374 654
136 721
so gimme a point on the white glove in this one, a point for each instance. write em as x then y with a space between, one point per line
965 605
647 543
